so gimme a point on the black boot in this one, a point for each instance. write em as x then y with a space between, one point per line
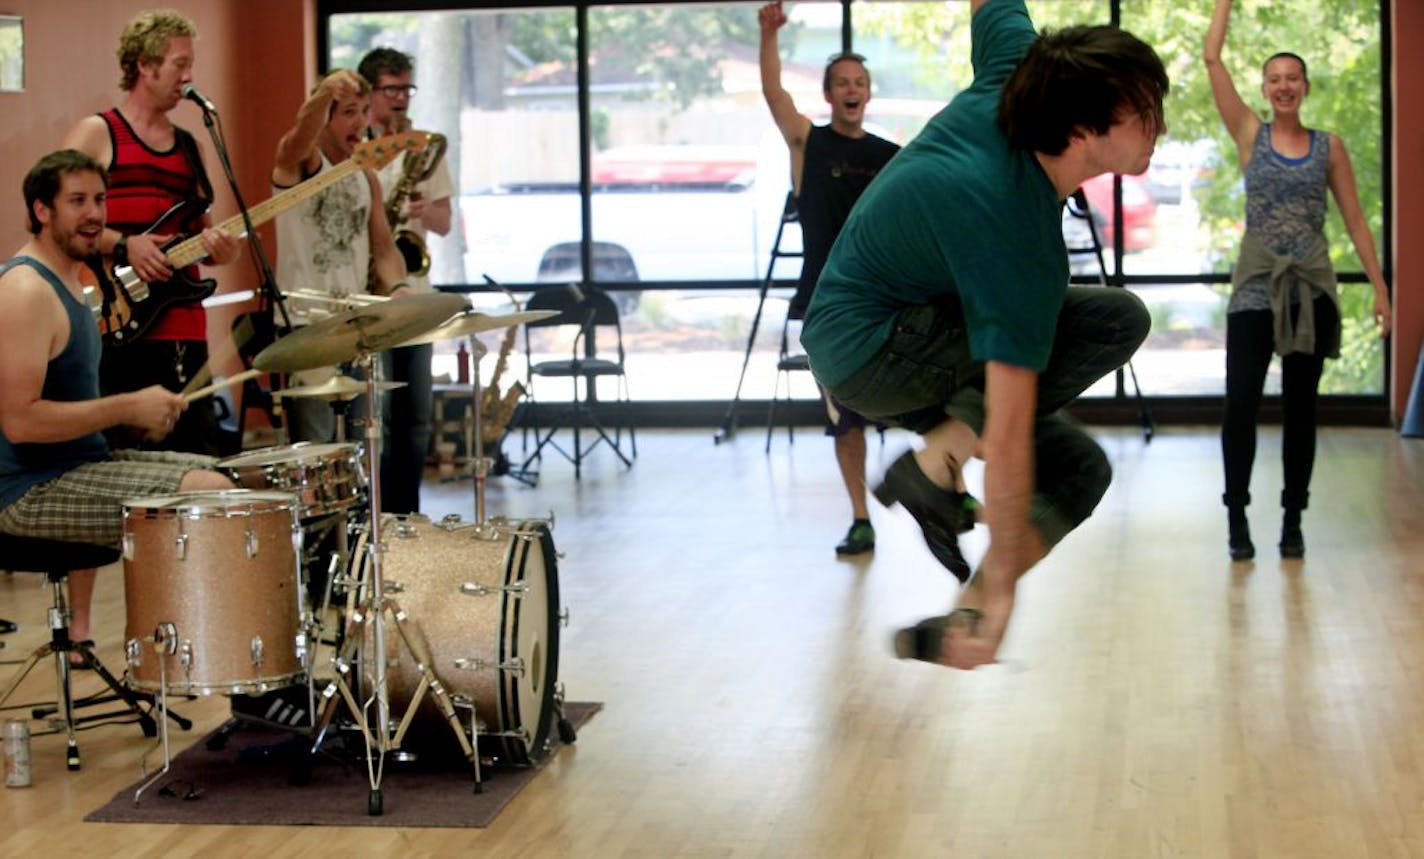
1239 535
1292 541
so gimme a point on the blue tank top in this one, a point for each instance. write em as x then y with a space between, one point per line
71 376
1285 205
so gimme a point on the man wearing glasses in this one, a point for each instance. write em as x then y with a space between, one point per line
409 411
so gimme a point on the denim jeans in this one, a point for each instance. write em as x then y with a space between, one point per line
925 374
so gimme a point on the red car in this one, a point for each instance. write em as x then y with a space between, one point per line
1138 211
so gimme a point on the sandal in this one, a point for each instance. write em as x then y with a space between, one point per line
925 640
85 662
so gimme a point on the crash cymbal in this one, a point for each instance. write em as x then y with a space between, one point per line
337 388
343 336
473 322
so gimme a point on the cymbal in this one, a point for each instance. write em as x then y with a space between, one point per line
473 322
372 328
336 388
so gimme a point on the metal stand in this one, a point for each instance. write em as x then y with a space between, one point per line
1077 205
788 215
377 609
60 646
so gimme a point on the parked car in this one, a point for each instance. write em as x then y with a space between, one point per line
1178 168
1139 211
659 213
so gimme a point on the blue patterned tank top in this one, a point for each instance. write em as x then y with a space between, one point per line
1285 205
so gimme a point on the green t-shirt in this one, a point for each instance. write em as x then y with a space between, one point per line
957 213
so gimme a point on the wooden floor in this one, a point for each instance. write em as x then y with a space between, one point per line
1155 699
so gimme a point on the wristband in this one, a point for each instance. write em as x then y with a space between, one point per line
120 253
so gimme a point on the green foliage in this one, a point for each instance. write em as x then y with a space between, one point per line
680 47
351 36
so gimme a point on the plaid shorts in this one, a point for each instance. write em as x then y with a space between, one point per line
85 504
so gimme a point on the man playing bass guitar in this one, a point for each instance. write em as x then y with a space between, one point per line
154 166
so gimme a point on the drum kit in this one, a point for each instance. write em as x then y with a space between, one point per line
441 626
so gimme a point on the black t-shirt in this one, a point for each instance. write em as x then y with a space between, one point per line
836 170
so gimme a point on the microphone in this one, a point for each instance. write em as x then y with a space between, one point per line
191 93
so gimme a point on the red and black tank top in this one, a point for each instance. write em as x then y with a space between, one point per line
143 185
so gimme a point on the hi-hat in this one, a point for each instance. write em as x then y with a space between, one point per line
336 388
343 336
473 322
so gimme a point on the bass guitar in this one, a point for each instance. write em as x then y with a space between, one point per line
130 305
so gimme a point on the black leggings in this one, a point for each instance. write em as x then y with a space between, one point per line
1250 342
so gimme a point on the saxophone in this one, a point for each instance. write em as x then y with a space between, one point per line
496 408
415 168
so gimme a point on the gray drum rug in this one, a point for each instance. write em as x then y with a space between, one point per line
248 781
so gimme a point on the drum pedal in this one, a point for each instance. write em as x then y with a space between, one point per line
286 707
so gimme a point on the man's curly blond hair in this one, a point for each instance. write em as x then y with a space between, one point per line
145 40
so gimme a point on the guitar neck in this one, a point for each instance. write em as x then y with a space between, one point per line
191 250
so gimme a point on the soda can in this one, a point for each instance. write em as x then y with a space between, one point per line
17 753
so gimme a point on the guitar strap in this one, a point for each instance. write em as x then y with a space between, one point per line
189 145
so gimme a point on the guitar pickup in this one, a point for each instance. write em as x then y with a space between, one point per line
134 285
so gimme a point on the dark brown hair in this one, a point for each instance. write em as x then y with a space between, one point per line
1080 78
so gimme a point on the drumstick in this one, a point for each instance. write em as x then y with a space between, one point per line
231 380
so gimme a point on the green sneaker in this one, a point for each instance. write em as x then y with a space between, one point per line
858 540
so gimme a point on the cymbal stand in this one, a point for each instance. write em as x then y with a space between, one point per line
372 609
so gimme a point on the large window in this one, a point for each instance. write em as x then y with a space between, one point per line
687 175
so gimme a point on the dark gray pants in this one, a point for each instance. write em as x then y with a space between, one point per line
925 374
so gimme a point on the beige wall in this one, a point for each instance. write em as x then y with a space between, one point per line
253 59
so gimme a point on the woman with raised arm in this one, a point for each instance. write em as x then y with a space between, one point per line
1283 296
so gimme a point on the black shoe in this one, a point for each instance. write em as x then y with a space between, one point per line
1238 541
1292 543
943 514
858 540
925 640
7 626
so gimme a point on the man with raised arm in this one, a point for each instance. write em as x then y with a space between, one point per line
831 165
332 241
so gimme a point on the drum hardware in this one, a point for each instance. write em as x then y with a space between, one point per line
164 640
337 388
475 589
358 335
368 667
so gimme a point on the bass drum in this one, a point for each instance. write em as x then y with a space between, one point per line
487 611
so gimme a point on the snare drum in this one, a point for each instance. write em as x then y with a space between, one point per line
324 477
487 610
213 576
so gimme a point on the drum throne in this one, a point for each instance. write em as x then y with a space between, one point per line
57 559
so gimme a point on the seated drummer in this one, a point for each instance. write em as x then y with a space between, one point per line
58 478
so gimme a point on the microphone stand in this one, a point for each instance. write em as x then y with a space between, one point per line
270 293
